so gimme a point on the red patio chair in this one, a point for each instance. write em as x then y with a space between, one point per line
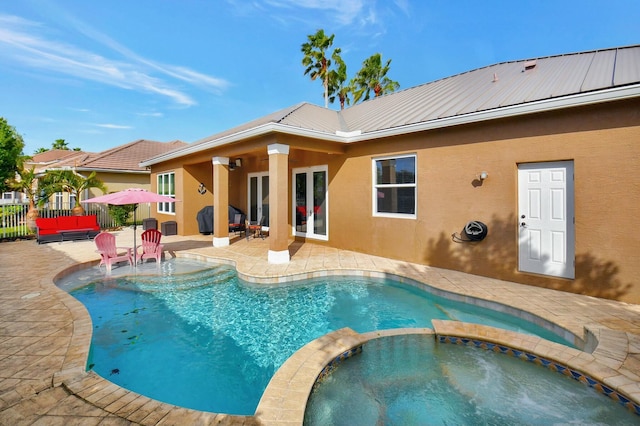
109 253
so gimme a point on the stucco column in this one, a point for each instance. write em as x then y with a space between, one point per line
220 201
278 203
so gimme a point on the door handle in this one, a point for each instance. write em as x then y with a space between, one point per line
524 225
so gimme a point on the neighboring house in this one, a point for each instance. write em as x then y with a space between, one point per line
545 152
54 159
119 168
13 198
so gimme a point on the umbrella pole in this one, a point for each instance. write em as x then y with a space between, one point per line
135 249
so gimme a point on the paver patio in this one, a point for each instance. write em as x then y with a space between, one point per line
45 333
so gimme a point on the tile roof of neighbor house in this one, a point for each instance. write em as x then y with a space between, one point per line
507 88
127 157
55 155
123 158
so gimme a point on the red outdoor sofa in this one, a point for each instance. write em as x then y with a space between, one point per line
66 228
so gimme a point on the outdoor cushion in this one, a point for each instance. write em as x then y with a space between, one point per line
52 229
47 225
88 222
67 222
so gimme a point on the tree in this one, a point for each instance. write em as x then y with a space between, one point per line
315 59
73 183
11 157
337 80
373 77
60 144
26 181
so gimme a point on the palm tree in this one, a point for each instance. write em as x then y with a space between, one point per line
373 77
337 79
26 182
315 59
68 180
60 144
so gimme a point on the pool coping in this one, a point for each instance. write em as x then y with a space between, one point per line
285 402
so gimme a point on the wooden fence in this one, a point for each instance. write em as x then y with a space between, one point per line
13 217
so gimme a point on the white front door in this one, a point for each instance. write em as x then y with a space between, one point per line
310 202
258 197
546 218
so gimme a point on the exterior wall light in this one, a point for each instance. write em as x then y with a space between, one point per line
483 175
235 164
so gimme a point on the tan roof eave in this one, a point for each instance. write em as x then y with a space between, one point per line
261 130
581 99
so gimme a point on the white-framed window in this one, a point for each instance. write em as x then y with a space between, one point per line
167 186
394 186
58 200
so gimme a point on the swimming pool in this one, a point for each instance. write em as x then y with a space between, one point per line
208 341
412 379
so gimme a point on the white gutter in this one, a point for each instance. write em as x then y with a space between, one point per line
581 99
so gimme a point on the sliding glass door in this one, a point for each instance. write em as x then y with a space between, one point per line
258 198
310 203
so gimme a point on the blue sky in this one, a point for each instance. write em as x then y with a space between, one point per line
103 73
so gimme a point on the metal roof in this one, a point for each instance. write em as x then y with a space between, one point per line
515 87
497 86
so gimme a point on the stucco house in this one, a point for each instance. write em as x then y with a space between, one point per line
119 168
544 152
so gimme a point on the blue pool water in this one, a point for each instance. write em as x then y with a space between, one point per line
208 341
413 380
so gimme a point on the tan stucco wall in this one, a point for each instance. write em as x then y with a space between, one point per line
605 148
602 141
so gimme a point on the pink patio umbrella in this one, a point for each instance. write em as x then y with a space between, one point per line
131 196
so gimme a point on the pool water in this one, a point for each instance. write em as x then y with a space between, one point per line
209 341
413 380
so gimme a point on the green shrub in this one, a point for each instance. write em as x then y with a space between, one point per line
121 213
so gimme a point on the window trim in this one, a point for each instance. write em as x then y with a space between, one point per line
375 186
171 206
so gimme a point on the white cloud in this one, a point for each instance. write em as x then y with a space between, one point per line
23 42
344 12
113 126
403 5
